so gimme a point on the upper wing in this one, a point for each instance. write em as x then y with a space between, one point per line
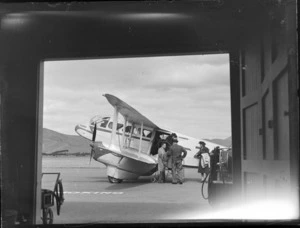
129 112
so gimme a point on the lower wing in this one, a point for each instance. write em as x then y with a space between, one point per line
128 153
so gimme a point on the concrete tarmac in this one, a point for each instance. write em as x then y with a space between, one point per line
91 198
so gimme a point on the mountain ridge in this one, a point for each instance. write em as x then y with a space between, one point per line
55 143
224 142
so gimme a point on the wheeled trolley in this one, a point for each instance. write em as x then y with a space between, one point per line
49 196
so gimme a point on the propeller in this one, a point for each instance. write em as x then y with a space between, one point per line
93 139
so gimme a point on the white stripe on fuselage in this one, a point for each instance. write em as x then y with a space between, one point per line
103 130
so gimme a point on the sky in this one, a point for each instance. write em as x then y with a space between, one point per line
188 94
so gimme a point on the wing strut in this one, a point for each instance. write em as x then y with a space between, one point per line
131 131
141 137
114 127
151 141
123 135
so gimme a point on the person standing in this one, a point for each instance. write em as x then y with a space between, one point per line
169 140
214 160
204 160
161 166
177 157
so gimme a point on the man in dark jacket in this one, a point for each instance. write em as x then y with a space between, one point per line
214 160
169 140
177 157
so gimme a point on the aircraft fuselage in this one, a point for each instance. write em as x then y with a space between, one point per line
144 146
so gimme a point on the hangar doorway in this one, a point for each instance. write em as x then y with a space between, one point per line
31 37
196 88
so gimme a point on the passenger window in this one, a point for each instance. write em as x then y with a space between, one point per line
118 126
127 129
147 133
136 131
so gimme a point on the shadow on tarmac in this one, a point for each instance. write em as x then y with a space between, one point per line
126 184
192 179
99 179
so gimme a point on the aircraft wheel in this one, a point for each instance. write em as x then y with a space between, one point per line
114 180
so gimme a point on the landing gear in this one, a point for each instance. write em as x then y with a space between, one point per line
114 180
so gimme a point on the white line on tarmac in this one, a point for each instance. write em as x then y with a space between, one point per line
101 193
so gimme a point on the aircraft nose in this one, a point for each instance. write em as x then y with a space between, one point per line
84 131
80 127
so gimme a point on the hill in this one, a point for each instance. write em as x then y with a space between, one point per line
55 143
225 142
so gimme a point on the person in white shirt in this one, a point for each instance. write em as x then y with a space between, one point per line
161 166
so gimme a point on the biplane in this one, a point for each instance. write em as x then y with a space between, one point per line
127 143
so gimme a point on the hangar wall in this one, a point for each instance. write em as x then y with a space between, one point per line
18 133
267 117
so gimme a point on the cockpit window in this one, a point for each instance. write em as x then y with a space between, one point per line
100 121
103 123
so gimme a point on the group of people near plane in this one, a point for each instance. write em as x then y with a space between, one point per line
171 155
